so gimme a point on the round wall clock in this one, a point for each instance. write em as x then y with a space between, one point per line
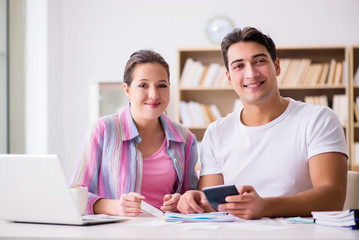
217 28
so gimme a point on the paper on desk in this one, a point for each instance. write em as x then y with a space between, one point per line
146 207
199 226
199 217
153 223
259 227
265 224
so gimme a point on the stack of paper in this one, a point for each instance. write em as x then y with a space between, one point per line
346 218
199 217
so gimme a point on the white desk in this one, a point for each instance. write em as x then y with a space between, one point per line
131 229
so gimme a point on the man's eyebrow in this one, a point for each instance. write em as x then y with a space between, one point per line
260 55
254 56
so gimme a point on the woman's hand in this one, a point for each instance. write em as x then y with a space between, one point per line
170 202
129 205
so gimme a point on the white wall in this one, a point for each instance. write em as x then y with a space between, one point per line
36 75
3 79
94 38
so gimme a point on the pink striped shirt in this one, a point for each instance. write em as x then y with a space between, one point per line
110 164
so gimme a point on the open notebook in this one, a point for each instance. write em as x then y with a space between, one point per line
34 189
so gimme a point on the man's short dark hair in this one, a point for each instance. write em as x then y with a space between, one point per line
247 34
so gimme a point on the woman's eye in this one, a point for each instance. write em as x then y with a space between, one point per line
142 85
162 86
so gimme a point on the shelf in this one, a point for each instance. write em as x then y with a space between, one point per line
323 87
319 87
354 141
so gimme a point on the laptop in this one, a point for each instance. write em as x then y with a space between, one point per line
34 189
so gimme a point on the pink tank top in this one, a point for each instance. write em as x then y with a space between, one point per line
159 176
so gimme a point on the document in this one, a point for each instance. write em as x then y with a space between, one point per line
146 207
346 218
199 217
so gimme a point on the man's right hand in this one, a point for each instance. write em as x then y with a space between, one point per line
194 201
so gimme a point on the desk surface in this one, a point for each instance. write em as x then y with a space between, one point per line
151 228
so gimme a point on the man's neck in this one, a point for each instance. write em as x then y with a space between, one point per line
263 113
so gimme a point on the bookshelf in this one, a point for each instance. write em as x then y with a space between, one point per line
221 96
354 76
334 86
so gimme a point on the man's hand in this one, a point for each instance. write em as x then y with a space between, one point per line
247 205
170 202
193 201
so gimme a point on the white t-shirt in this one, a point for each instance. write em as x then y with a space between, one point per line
273 158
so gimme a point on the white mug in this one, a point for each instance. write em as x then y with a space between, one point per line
80 197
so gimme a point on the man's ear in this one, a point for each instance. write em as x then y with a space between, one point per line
277 67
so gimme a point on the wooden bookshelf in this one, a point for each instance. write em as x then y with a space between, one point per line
354 139
224 96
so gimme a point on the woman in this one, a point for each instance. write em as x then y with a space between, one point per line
138 154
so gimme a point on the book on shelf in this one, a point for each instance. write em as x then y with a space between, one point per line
324 74
210 113
296 72
291 73
217 82
356 110
340 107
344 72
306 79
205 114
345 218
303 67
315 77
195 114
211 74
332 64
195 74
357 100
356 153
205 71
186 71
321 100
338 73
195 110
356 76
223 81
284 65
186 116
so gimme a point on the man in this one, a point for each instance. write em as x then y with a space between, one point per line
287 158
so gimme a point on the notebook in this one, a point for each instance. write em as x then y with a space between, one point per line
34 189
